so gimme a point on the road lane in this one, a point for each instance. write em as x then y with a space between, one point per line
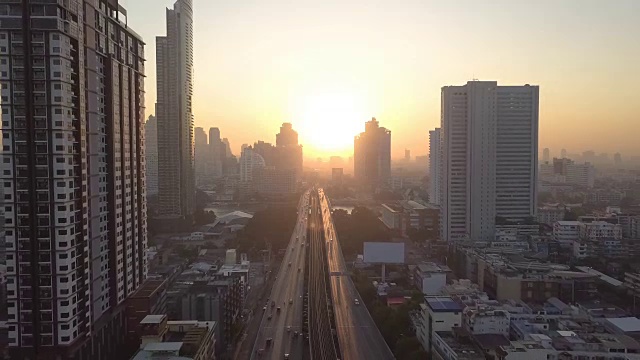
288 285
358 336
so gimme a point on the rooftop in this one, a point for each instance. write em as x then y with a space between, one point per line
431 267
463 350
148 288
443 304
393 207
568 223
161 351
625 324
153 319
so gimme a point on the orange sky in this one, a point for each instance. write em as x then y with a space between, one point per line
328 66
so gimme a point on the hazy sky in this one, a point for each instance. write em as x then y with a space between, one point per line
327 66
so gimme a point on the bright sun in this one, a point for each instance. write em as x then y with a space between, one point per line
328 122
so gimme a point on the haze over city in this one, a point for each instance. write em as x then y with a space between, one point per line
319 180
332 65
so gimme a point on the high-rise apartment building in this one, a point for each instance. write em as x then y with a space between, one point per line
202 155
372 155
250 161
435 166
489 154
174 75
151 153
546 155
73 170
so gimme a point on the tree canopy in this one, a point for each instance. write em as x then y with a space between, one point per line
360 226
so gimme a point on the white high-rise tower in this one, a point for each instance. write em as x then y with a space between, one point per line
174 56
489 157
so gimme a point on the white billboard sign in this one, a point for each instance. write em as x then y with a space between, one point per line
384 253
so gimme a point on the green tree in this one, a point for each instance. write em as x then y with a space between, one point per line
202 217
406 346
274 224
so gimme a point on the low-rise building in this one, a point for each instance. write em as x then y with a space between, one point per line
447 346
550 214
597 230
566 232
486 320
402 215
604 196
431 278
176 340
149 299
511 276
212 298
437 313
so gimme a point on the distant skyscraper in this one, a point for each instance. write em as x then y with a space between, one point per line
227 148
546 155
73 173
217 152
174 68
250 161
151 153
563 153
489 146
617 159
202 155
287 136
372 155
288 151
267 151
589 156
407 155
435 166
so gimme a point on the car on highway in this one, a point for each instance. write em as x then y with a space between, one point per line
290 301
356 301
278 309
269 317
288 328
264 308
290 261
298 269
269 340
286 356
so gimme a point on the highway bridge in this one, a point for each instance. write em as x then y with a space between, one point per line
314 310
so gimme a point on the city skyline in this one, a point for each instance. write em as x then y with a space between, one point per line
392 60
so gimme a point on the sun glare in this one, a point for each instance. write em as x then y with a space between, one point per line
328 122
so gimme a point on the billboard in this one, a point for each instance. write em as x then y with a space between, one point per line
384 253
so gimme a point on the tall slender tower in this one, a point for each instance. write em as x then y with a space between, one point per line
217 152
435 166
151 153
489 146
174 75
202 156
72 76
